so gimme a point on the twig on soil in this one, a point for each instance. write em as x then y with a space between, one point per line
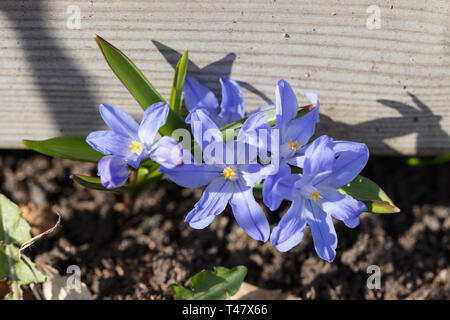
29 243
39 236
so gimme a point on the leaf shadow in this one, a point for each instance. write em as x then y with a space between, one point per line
210 74
416 117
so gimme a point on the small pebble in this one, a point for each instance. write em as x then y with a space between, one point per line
120 271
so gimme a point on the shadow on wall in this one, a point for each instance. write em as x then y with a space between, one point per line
418 119
211 73
35 37
49 63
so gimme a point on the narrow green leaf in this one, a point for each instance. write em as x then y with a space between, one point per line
127 72
65 147
366 190
147 175
178 81
377 206
136 83
95 183
208 285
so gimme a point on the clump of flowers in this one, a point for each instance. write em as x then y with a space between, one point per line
270 150
326 165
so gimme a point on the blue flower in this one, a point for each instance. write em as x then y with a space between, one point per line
197 96
113 172
131 143
328 165
229 176
294 134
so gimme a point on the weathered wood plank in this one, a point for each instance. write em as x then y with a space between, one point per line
386 87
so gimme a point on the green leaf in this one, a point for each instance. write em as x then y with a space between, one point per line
371 194
132 78
65 147
428 161
271 115
15 231
178 81
147 174
13 228
136 83
209 285
95 183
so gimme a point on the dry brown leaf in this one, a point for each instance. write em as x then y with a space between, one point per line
4 288
251 292
39 219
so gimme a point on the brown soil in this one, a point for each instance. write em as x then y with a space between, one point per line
137 259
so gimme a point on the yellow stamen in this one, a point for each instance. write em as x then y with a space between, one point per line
293 145
316 195
135 146
229 173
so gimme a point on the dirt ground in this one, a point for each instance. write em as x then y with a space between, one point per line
138 258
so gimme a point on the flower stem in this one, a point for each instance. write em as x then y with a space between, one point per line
129 198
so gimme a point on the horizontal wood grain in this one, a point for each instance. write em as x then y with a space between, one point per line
386 87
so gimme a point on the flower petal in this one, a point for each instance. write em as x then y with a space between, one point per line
312 97
319 156
198 96
167 152
254 173
109 142
256 131
113 172
342 207
154 118
213 116
119 121
297 161
248 213
272 199
286 105
289 231
352 157
204 129
302 128
322 230
232 105
286 186
192 175
213 201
